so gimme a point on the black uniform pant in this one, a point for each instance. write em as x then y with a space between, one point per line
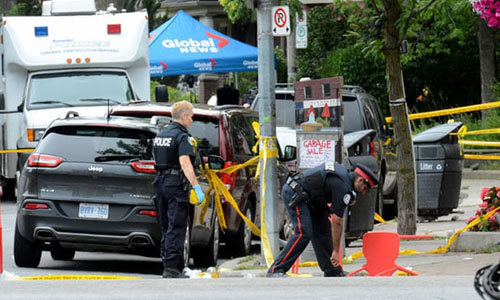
309 225
172 203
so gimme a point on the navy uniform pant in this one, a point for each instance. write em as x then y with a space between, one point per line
172 204
309 225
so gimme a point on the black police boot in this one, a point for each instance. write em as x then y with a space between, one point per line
277 274
173 273
336 272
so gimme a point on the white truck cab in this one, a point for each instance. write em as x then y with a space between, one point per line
71 60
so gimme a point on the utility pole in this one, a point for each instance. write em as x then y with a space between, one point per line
267 113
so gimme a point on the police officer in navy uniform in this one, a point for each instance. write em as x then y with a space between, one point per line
310 197
173 153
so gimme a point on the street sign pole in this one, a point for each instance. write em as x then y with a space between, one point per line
267 113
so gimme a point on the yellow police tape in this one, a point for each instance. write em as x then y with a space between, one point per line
16 151
482 157
74 277
450 111
268 150
463 132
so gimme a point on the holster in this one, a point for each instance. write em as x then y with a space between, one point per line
299 195
186 186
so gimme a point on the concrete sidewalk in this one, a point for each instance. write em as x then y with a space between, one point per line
447 264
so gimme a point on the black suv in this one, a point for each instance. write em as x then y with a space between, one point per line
361 112
225 131
88 187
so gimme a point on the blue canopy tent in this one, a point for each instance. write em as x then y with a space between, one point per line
183 45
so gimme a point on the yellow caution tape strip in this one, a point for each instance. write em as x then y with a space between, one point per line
269 149
17 151
480 143
451 111
74 277
379 218
482 157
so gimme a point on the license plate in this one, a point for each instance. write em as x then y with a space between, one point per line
95 211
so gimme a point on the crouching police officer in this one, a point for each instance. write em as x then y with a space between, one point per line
310 197
175 173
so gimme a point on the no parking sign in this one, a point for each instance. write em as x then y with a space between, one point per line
281 21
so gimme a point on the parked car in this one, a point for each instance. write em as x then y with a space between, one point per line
358 147
362 112
88 187
226 131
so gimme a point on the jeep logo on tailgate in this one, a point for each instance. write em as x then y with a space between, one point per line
95 169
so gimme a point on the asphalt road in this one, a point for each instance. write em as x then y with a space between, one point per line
443 287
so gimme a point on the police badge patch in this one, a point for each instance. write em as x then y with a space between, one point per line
347 199
330 166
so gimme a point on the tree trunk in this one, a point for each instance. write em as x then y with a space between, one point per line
486 41
407 222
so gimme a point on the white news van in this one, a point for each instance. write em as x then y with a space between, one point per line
72 59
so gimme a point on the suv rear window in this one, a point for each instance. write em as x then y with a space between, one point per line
353 120
85 143
206 133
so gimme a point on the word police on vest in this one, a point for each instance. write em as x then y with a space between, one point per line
367 175
162 141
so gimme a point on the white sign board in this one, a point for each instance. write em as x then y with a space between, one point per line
281 21
314 152
301 31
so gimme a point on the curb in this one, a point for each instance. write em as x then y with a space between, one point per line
473 241
468 173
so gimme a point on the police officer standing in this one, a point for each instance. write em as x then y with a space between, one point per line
310 197
173 153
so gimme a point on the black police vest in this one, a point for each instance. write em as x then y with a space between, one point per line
314 182
166 146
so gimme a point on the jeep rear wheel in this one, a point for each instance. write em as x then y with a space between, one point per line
27 254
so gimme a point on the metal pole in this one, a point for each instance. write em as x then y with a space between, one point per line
267 113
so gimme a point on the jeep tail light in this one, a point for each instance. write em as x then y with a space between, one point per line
151 213
35 206
41 160
372 148
229 179
144 166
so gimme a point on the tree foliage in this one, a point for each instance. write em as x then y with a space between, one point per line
26 8
326 28
151 7
238 12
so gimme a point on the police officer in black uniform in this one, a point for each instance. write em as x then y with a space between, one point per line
310 197
173 153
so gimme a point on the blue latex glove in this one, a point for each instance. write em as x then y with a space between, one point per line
199 193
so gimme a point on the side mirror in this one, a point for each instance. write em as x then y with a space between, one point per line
20 107
161 93
290 153
215 162
2 101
